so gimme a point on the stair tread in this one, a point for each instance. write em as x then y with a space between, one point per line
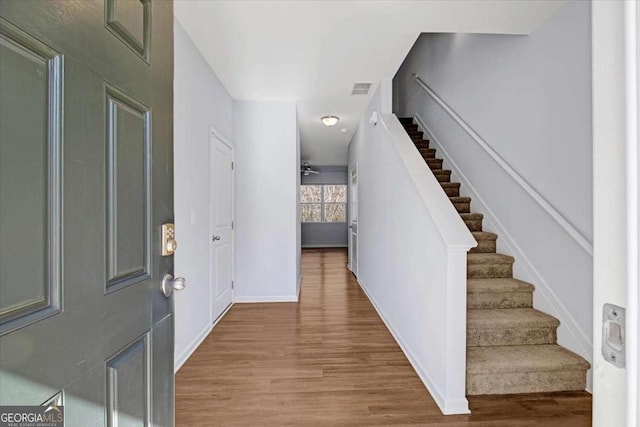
489 258
498 285
457 199
523 358
441 171
450 184
484 235
492 318
471 215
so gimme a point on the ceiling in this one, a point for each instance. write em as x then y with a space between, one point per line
314 51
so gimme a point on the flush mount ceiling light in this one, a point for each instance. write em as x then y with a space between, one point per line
330 120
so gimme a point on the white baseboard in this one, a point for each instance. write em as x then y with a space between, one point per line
570 334
323 246
448 407
261 299
193 345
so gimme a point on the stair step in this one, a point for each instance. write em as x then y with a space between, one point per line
442 175
452 189
499 293
486 242
421 144
524 369
473 220
510 326
408 120
483 266
462 204
415 133
434 163
427 152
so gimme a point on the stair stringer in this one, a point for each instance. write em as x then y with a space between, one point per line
570 334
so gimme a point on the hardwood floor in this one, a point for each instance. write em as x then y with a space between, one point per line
330 361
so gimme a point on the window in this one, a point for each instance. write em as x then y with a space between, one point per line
323 203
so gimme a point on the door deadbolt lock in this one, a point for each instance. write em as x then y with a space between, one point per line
169 244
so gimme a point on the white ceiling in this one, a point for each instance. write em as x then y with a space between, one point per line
314 51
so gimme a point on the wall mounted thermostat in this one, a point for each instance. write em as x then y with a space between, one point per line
169 244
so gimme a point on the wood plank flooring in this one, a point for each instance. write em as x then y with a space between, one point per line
330 361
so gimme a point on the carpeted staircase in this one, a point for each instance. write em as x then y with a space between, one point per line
511 347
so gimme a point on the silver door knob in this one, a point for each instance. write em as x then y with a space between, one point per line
216 238
169 284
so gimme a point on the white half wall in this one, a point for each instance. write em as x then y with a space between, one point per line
529 99
267 179
412 247
200 101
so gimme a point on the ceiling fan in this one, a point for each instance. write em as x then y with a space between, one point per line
306 169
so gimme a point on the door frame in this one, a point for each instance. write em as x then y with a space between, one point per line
615 45
214 135
353 170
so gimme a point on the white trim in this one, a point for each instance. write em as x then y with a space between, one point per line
193 346
553 212
323 246
261 299
448 407
631 36
579 341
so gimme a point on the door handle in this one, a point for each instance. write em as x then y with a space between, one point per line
169 284
215 238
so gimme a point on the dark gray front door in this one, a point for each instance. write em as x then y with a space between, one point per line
86 180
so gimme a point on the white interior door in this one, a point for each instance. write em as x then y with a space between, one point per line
221 263
353 226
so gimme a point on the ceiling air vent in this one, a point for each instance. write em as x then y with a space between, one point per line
361 88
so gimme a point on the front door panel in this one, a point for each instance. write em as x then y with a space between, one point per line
86 170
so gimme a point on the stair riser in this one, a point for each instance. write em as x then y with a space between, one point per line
485 247
473 224
489 271
427 153
499 300
435 163
511 336
452 192
526 382
463 207
443 178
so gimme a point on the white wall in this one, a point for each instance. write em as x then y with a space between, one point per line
412 248
267 179
529 98
200 101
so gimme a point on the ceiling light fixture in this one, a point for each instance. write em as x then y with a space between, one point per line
330 120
